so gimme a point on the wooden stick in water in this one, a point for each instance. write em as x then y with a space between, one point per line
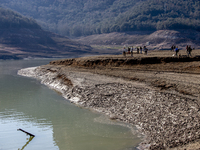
26 132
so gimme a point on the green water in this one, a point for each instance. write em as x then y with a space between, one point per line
57 124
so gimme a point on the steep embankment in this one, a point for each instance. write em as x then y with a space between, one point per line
120 62
161 97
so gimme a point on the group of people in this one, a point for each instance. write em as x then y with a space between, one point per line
188 50
175 48
139 50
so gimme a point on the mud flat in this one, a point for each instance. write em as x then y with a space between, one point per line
162 99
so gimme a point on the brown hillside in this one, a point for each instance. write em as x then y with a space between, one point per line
161 39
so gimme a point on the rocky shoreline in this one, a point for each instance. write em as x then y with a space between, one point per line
168 118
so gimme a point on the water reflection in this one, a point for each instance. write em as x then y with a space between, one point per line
29 140
57 124
11 120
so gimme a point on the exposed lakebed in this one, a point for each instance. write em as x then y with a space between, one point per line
167 118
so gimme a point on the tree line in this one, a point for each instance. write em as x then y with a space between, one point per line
10 19
86 17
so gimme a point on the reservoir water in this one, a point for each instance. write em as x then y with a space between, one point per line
56 123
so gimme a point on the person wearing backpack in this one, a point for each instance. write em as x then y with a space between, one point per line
189 51
176 50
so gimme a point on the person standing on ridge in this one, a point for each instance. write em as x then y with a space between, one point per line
137 50
189 50
124 52
131 51
172 48
132 48
145 50
176 50
140 50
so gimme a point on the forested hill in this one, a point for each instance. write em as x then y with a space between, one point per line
22 37
10 19
85 17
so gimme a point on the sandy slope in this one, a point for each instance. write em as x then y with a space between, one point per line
160 39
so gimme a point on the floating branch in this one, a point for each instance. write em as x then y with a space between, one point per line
26 132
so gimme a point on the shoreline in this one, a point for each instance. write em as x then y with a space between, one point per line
167 117
82 80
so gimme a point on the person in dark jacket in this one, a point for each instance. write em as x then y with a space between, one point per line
189 50
145 50
176 50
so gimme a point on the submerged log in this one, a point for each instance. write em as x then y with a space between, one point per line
26 132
